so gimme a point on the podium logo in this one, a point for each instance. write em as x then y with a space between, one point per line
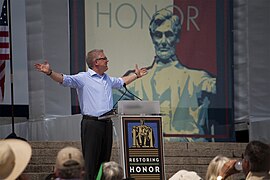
142 136
143 150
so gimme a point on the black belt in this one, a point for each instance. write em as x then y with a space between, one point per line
111 112
88 117
94 118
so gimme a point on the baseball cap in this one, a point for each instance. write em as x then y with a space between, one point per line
15 154
69 157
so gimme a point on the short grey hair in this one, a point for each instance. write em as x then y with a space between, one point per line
112 171
91 57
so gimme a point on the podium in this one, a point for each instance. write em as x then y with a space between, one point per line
139 130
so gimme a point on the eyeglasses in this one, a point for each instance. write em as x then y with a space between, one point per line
104 58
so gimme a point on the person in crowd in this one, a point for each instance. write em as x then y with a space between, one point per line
215 166
110 171
183 92
15 155
94 90
69 164
185 175
255 163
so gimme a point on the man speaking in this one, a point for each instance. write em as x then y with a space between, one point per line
94 90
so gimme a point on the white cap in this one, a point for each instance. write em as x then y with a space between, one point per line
185 175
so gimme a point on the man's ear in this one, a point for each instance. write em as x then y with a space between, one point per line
245 166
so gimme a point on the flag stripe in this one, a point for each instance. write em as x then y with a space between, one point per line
4 56
4 33
4 45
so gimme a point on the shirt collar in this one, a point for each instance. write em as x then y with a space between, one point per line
93 73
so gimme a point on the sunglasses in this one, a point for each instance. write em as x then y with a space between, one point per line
104 58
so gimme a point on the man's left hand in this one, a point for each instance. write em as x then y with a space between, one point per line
140 72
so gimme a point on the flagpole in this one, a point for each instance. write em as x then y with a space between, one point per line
13 134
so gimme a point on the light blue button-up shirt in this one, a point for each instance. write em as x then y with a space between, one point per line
94 91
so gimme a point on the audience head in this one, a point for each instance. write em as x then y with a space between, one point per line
111 171
256 157
215 166
15 154
69 163
185 175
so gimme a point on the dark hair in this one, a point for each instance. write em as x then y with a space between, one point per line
258 155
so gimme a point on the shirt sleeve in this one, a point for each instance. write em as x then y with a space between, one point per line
73 81
117 83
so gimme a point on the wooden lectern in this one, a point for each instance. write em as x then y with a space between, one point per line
139 130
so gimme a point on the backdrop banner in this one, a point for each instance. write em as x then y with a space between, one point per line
187 48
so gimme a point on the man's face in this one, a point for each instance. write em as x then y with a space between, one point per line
102 62
164 40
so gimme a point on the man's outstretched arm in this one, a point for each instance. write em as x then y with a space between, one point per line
45 68
133 76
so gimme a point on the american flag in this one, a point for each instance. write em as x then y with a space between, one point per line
4 47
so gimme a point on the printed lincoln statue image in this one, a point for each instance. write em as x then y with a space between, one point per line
183 92
142 136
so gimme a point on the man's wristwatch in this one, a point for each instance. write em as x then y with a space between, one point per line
50 73
136 74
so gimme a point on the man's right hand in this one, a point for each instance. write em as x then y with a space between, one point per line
43 67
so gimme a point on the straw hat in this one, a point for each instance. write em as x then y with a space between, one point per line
68 156
14 157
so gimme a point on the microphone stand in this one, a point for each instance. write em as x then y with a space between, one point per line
120 98
125 86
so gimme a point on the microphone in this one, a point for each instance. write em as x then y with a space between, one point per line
120 97
125 86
